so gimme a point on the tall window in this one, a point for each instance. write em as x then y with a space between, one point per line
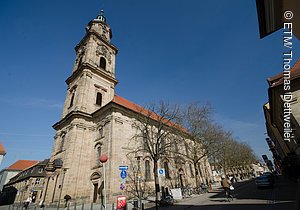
147 170
103 63
62 142
80 60
72 99
145 147
187 149
99 99
166 166
95 192
98 153
101 132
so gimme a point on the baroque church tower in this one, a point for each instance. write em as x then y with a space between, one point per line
74 168
92 82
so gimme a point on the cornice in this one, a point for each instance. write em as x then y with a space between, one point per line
72 115
94 70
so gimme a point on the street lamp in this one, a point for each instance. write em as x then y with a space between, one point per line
139 177
103 159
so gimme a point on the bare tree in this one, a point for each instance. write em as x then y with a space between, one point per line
234 155
156 132
203 135
137 187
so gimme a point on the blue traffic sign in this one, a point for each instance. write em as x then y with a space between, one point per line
122 186
123 174
161 172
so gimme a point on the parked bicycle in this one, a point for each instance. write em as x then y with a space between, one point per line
187 192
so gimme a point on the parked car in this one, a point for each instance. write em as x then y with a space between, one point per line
264 181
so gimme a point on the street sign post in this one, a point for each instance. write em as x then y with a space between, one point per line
123 168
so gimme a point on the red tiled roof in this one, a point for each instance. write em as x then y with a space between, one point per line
136 108
278 79
22 164
2 150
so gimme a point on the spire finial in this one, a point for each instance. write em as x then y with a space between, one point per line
101 16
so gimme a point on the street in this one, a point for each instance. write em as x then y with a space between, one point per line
246 197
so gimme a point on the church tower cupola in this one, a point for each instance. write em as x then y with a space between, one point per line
93 81
101 17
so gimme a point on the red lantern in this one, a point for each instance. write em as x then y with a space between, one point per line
103 158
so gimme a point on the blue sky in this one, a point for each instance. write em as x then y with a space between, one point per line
178 51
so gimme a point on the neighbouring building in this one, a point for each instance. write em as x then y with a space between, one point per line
13 170
8 193
274 15
271 16
258 169
96 121
286 153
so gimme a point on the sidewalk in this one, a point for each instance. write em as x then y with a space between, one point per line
286 192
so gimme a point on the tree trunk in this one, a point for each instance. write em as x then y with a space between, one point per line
156 182
196 175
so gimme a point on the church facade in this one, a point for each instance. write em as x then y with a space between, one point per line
96 121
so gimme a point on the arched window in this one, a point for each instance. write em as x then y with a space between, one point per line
166 166
147 170
99 99
103 63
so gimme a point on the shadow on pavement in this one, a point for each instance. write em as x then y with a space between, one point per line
228 206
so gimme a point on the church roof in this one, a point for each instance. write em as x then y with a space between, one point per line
20 165
278 79
137 108
2 150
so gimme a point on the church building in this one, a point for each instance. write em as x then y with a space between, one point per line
96 121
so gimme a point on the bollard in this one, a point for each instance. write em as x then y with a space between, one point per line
75 206
143 206
82 207
91 206
113 206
